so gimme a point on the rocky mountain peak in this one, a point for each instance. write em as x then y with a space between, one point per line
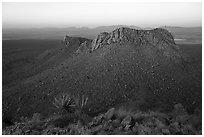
123 35
158 38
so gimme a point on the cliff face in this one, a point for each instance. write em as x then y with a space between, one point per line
70 41
159 38
122 35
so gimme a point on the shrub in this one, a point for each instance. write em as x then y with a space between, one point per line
73 105
65 102
70 103
81 102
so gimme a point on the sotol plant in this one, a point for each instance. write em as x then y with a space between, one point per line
65 102
81 102
70 103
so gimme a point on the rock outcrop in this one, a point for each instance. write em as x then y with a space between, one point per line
84 47
70 41
122 35
67 40
160 38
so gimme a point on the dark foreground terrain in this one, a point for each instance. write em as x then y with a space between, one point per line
116 121
146 68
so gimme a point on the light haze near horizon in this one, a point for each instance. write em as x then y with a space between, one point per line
40 15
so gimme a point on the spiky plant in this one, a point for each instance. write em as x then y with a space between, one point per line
75 105
81 102
65 102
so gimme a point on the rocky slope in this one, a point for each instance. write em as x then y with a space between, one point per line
113 122
145 67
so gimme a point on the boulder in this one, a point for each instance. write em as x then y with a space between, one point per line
127 120
110 113
135 128
116 123
127 127
160 124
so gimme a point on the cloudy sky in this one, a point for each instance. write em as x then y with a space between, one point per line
32 15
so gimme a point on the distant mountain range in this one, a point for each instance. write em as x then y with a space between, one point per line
181 34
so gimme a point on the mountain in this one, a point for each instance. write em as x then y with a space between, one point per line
142 66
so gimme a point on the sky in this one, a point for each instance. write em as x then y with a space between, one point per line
40 15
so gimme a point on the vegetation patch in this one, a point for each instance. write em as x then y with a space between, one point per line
77 122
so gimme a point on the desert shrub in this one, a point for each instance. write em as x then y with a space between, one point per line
72 104
65 102
81 102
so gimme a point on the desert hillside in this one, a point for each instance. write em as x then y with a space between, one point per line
142 66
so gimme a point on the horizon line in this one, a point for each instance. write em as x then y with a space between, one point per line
97 27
